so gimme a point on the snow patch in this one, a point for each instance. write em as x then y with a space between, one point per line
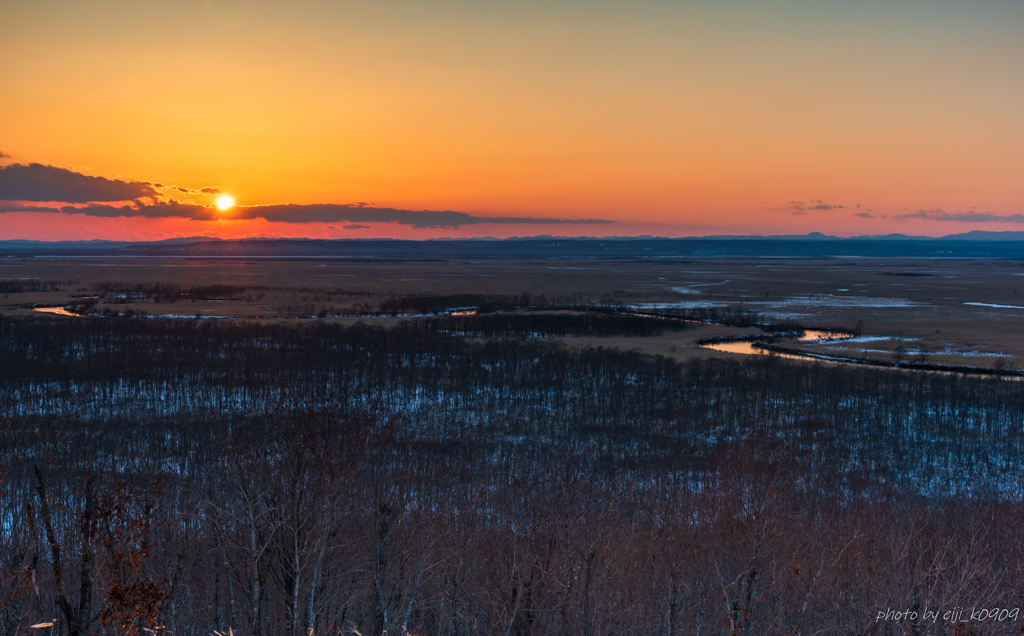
996 306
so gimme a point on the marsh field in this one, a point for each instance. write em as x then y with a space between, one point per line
965 312
306 446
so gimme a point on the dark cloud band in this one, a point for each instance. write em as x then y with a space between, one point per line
333 213
290 213
36 182
21 183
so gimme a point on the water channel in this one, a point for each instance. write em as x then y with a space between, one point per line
60 311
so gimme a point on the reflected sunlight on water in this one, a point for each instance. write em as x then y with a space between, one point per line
747 347
816 334
60 311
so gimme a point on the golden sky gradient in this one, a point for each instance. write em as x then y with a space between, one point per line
668 118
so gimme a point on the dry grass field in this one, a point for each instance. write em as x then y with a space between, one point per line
964 312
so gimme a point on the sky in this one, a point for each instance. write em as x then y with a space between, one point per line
128 120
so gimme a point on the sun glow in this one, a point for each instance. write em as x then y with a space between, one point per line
225 202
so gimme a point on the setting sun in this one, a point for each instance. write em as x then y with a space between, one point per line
225 202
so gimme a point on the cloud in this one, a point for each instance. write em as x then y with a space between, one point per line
36 182
21 183
152 211
189 190
865 215
4 155
332 213
962 217
799 207
355 226
291 213
15 206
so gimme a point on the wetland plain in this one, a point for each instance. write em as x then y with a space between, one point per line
962 312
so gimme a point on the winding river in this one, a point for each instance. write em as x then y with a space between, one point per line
750 347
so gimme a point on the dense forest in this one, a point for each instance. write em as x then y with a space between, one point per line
465 475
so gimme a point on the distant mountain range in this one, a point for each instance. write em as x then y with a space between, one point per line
975 235
976 244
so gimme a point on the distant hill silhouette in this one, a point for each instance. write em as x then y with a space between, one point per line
976 244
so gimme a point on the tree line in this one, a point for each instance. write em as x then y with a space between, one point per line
320 302
25 285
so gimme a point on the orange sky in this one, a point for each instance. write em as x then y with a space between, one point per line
680 118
